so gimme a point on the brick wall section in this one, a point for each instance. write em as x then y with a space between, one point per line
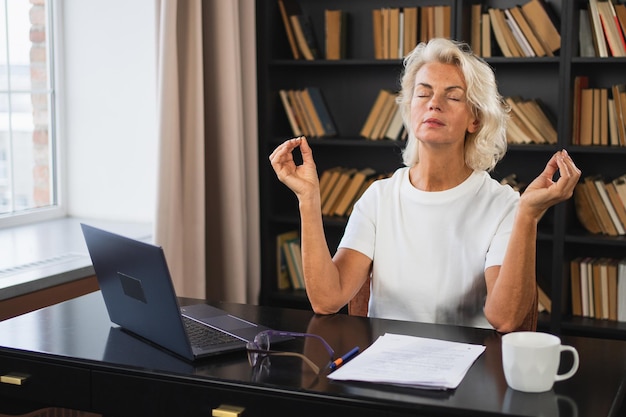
39 82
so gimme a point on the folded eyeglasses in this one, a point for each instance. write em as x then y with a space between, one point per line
260 348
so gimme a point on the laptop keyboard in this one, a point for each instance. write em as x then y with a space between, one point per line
203 336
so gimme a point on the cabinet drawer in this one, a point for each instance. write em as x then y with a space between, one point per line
124 395
45 383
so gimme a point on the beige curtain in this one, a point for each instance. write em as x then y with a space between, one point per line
207 218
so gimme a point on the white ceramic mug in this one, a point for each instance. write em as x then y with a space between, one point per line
531 360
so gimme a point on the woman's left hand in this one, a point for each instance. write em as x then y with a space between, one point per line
544 191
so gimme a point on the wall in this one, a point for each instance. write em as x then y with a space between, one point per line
108 129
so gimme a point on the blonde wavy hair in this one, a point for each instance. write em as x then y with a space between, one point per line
483 148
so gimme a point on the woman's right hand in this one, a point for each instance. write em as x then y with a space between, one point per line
301 179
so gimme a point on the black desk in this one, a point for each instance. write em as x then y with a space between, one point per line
75 358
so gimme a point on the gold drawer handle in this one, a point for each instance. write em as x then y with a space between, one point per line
14 379
226 410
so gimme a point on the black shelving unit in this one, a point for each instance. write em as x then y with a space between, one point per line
350 86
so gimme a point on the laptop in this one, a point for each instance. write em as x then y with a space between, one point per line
139 295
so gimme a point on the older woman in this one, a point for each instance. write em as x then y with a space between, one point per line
442 241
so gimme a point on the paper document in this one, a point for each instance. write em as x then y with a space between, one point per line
412 361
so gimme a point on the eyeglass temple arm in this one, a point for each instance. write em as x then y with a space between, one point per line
320 338
308 361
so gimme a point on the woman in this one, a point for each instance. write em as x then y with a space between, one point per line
442 241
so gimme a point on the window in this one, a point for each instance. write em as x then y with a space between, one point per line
27 137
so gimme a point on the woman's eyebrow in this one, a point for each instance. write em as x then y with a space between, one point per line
450 88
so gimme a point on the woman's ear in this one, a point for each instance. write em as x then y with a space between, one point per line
474 126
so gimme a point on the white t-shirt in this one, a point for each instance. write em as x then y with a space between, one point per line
430 249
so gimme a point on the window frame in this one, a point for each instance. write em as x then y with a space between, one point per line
57 209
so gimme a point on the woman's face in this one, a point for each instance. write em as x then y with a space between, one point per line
440 114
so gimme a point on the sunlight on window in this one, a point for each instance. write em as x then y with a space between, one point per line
26 136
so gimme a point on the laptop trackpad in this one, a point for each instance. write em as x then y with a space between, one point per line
227 322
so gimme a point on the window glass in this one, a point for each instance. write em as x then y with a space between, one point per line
27 165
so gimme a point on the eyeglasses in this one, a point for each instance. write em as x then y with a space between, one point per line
260 347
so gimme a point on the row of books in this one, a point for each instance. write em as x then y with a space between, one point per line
289 261
599 114
519 31
307 112
529 123
341 187
384 120
301 36
397 30
602 28
601 205
598 288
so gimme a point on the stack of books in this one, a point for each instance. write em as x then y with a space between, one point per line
397 30
341 187
299 30
384 120
307 113
529 123
528 30
599 114
601 205
601 29
598 288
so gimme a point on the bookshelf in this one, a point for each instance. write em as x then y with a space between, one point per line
350 87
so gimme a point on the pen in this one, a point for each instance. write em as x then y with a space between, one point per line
345 358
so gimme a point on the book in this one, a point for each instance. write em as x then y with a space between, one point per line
377 33
283 280
498 27
600 208
328 124
410 29
580 82
616 202
305 36
544 300
585 35
485 44
597 31
288 8
606 201
393 43
621 290
585 211
620 12
612 272
575 287
539 18
611 29
336 31
293 260
396 126
293 122
475 28
620 186
586 117
620 112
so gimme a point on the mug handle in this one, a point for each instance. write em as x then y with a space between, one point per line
572 371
